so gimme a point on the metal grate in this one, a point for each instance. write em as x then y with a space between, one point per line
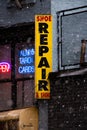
9 125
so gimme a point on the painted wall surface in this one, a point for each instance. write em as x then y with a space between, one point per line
10 16
59 5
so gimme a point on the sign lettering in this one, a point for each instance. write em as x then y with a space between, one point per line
43 55
4 67
26 60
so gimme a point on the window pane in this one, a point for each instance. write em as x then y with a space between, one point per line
24 60
25 93
73 31
5 96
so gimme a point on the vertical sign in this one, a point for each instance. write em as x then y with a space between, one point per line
43 55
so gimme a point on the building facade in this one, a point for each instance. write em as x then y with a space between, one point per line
17 34
17 43
66 110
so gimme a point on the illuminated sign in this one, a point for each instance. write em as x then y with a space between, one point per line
43 55
4 67
26 60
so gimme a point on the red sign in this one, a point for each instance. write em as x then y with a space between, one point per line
4 67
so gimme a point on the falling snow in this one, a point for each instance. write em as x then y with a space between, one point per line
67 108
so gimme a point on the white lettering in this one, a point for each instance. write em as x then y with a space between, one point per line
26 69
26 60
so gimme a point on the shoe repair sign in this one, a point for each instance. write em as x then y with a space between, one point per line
43 55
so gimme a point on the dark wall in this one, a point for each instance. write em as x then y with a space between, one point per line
16 34
14 15
68 104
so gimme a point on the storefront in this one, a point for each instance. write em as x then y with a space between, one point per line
66 105
17 59
17 66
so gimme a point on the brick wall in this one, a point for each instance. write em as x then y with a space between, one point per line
67 107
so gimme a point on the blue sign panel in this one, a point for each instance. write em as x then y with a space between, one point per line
26 60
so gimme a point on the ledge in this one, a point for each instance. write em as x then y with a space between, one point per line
68 73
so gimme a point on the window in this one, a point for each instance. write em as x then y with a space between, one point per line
17 67
24 59
71 30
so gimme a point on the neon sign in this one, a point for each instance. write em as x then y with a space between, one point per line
4 67
26 60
